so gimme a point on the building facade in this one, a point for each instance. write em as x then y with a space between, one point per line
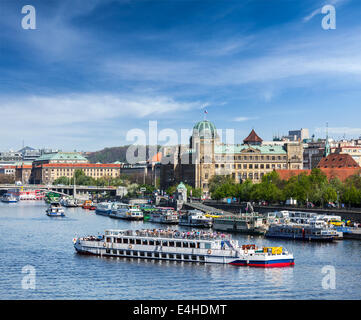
206 156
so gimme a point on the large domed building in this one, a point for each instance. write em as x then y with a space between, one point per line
207 156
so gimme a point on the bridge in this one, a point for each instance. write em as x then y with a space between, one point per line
68 190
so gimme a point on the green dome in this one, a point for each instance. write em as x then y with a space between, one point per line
205 129
181 186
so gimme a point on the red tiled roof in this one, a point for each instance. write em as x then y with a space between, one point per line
340 173
337 160
252 137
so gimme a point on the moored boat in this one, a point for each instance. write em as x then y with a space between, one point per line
164 215
245 223
312 231
9 198
89 205
173 245
104 208
127 212
195 218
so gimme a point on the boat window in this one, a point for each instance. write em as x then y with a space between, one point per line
156 255
114 251
198 245
207 245
144 242
138 241
178 256
171 256
135 253
185 244
192 245
151 242
149 254
125 240
128 253
131 241
107 251
186 257
119 240
157 243
178 244
194 257
201 258
109 239
165 243
171 243
164 255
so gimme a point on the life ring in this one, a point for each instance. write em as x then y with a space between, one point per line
130 246
209 251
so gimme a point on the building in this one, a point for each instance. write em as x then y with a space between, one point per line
353 151
8 170
336 160
47 173
60 157
9 158
206 156
23 173
297 135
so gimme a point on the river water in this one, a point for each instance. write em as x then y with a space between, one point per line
30 238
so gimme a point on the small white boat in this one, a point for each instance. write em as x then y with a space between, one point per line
55 210
9 198
127 212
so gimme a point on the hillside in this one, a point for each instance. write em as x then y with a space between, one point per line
110 155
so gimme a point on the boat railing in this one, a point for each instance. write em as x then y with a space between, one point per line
173 234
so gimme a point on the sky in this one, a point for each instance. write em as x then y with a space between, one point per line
93 70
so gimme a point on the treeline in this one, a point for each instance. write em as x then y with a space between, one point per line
314 188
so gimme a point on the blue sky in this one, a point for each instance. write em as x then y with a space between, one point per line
92 70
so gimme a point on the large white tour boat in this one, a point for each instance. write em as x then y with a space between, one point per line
194 246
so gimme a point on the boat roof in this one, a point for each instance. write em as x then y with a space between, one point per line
171 234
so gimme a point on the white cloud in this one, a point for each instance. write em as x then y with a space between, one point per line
243 119
340 130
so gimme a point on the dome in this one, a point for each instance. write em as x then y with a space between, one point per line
205 129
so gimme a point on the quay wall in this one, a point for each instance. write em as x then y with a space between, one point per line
352 215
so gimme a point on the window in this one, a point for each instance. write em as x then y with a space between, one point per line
185 244
178 244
